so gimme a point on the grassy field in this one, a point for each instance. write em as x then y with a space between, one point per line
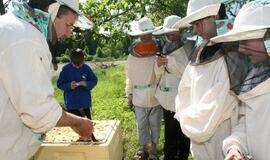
109 102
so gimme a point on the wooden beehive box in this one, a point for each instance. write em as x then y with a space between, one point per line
110 147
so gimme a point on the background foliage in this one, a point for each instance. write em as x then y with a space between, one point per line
109 39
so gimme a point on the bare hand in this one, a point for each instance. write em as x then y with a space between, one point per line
73 85
83 83
84 127
161 60
130 103
234 154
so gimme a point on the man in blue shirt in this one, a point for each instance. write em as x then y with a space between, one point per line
77 80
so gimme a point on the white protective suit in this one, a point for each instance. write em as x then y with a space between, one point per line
251 136
168 82
141 80
205 106
27 103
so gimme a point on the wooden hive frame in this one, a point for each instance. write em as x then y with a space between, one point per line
111 150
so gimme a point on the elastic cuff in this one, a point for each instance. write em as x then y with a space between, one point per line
129 94
233 147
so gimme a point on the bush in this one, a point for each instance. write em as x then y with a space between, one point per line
64 59
99 53
86 50
88 57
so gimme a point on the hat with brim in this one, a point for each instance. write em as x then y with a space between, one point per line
196 12
164 30
144 26
143 32
82 22
251 22
167 25
238 35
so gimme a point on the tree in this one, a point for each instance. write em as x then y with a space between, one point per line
159 9
2 8
233 6
112 19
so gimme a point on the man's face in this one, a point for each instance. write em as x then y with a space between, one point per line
206 28
254 49
64 24
174 36
146 38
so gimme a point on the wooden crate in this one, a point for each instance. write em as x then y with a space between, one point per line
112 149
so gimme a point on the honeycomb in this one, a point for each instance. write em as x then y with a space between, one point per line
102 130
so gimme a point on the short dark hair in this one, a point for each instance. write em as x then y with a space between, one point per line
77 56
40 4
63 10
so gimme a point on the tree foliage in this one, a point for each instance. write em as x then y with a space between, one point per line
2 8
233 6
112 21
159 9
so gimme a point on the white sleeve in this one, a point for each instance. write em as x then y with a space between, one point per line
159 71
238 137
175 67
25 66
129 84
177 63
183 97
128 87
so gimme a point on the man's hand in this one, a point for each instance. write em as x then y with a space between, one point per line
73 85
234 154
83 83
83 126
162 60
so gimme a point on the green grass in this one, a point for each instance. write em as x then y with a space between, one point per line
109 102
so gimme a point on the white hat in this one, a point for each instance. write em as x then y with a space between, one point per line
250 23
199 9
82 22
167 25
144 26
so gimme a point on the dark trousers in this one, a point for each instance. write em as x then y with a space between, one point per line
81 112
177 145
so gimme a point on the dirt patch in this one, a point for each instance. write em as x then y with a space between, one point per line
93 65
